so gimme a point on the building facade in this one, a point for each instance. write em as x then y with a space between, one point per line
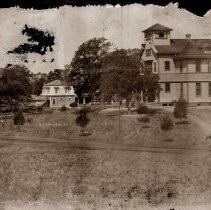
58 94
183 65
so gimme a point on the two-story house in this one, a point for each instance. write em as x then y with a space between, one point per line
183 65
58 94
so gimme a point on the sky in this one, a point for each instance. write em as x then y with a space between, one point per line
72 26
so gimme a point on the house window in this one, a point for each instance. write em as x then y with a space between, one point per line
167 65
181 66
167 87
67 89
54 101
181 90
60 99
161 35
198 89
155 67
209 66
198 65
209 88
56 89
148 52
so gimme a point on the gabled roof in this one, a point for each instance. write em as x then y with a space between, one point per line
194 48
158 28
197 48
55 83
176 46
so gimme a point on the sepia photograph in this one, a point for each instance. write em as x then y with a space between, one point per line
105 107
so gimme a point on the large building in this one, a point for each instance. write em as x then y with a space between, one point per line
58 94
183 65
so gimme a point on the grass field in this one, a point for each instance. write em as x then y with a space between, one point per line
102 179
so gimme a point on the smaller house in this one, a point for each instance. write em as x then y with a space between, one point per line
58 94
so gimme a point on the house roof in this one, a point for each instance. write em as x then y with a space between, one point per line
157 27
55 83
186 48
176 46
197 48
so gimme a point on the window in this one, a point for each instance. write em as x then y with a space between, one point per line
167 87
161 35
148 36
209 66
67 89
209 88
198 89
167 65
60 99
54 101
56 89
181 90
148 52
155 67
198 65
181 66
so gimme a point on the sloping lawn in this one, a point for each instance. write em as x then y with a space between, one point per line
104 127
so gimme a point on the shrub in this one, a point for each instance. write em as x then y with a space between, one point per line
144 119
63 108
142 109
180 109
73 104
19 119
82 119
166 124
40 108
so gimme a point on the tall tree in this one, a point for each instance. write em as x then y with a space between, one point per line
121 76
15 83
57 74
86 66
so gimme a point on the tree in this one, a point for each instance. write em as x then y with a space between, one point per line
142 109
85 68
19 119
82 119
15 84
120 76
57 74
166 124
180 109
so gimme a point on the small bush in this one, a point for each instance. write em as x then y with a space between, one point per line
82 119
39 108
142 109
166 124
144 119
63 109
180 109
73 104
19 119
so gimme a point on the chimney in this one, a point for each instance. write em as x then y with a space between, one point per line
188 36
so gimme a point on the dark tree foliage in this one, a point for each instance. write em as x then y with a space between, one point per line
39 41
181 109
57 74
15 83
121 75
37 85
85 68
142 109
82 119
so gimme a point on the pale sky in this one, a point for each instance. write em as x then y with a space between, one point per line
74 25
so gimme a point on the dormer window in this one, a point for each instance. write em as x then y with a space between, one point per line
148 52
148 36
67 89
56 89
161 35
